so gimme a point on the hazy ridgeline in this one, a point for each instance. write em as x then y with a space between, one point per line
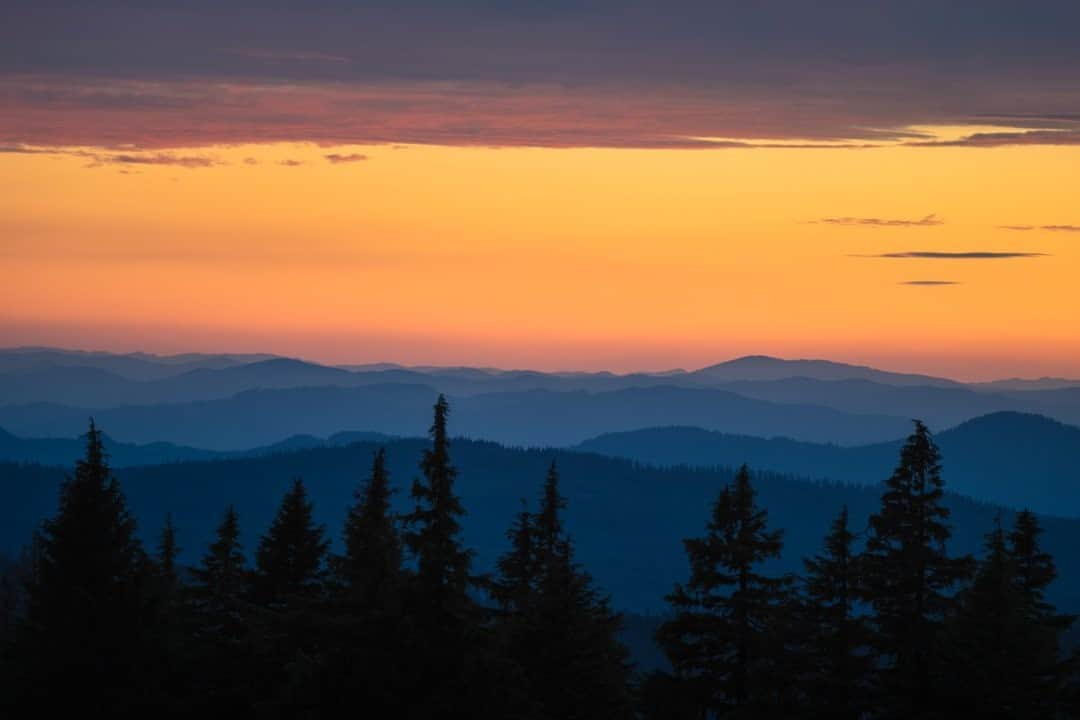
457 597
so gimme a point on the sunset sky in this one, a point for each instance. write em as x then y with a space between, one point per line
548 185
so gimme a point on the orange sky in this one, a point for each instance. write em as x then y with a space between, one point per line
549 258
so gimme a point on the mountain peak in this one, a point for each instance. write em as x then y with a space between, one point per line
766 367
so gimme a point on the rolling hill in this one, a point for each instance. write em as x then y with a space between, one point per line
1014 459
628 520
535 417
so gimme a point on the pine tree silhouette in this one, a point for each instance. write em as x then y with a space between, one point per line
167 551
1035 570
839 665
223 576
722 640
910 576
289 559
370 570
223 636
90 613
442 564
443 620
514 586
559 628
1001 659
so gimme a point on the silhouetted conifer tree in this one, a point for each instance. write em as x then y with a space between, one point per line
839 662
722 640
370 570
167 550
560 630
1035 570
223 576
452 657
514 585
289 559
225 665
362 632
999 660
442 564
90 618
910 577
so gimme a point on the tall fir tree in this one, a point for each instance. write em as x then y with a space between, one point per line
363 632
289 561
514 585
839 663
224 624
222 576
370 571
1035 570
1048 671
448 651
723 639
434 536
167 552
910 577
560 630
90 611
999 660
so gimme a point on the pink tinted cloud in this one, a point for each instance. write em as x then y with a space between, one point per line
48 110
59 110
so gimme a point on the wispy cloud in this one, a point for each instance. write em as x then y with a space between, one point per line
1005 139
289 162
925 221
968 255
20 149
930 283
337 158
1051 228
97 159
186 161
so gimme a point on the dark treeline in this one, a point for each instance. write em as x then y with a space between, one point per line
883 623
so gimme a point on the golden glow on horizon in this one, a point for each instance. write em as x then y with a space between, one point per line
580 258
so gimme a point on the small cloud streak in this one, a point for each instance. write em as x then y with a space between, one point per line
926 221
1006 139
969 255
929 283
98 159
186 161
1050 228
291 163
24 150
338 159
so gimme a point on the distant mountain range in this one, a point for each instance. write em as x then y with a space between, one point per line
1011 459
628 520
231 402
527 418
65 451
1006 458
763 367
133 366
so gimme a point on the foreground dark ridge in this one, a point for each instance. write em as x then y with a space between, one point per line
628 519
